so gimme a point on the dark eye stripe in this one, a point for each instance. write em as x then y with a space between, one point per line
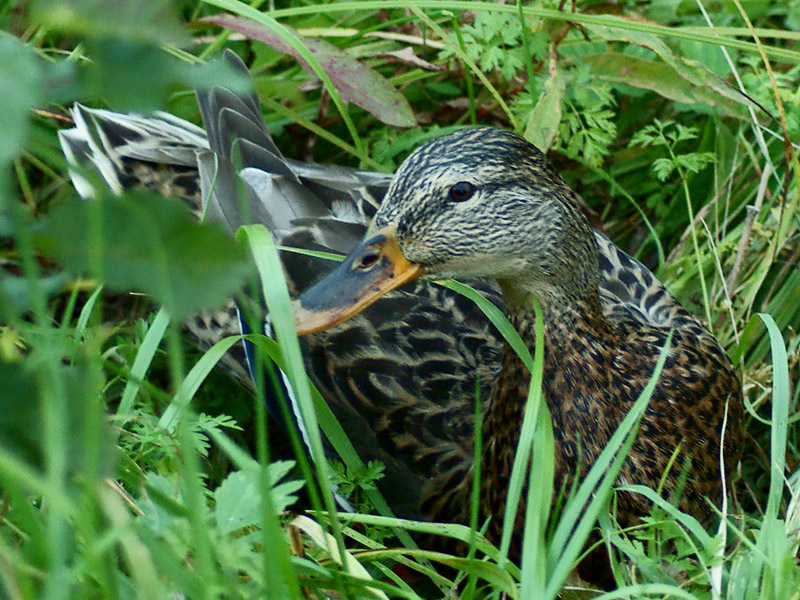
461 191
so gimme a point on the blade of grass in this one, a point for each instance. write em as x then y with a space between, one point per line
475 492
688 521
137 555
276 295
451 530
780 415
540 499
327 420
54 405
144 357
535 411
194 496
194 379
694 34
86 313
473 119
325 541
647 589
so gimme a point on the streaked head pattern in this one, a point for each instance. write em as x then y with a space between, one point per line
485 202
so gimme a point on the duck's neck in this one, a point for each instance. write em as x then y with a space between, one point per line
563 309
567 318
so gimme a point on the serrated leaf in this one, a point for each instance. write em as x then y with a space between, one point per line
511 66
695 161
663 167
356 83
238 502
491 58
238 498
147 243
683 133
648 136
158 505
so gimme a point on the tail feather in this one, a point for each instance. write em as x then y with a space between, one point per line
235 153
282 195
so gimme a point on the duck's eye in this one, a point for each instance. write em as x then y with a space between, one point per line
461 191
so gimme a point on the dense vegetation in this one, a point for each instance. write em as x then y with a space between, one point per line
129 468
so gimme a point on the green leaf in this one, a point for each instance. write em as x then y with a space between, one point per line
119 67
20 91
238 498
677 77
22 396
147 243
16 297
695 161
238 502
19 413
161 504
663 168
663 79
545 117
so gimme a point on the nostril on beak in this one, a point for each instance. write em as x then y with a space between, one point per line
368 259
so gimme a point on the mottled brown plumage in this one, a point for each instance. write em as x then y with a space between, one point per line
401 375
606 320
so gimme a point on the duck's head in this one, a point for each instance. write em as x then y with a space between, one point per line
475 203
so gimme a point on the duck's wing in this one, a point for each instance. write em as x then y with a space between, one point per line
114 143
630 291
401 378
159 153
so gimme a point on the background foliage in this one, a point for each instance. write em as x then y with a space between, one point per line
122 477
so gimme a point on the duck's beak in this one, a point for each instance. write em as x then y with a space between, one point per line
374 267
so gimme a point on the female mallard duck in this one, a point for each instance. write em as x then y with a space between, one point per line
485 203
401 374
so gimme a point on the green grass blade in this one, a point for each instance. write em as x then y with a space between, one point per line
496 316
535 410
276 295
540 498
780 415
86 313
150 343
688 521
656 590
193 380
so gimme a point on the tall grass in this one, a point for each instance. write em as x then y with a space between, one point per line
121 475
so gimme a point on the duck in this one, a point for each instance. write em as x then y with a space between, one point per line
484 203
397 357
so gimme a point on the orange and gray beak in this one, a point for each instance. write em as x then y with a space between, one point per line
376 266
